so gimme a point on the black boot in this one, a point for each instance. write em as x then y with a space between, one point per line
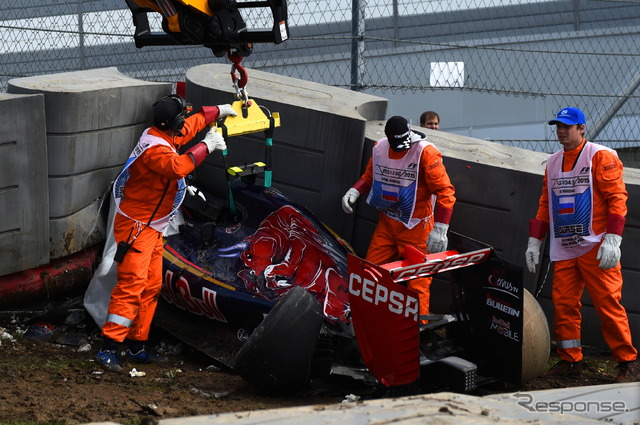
139 352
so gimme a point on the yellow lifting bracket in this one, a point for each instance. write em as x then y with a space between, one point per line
250 119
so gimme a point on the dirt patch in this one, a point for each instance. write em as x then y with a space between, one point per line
53 383
599 369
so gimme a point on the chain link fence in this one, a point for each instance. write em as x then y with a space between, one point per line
570 52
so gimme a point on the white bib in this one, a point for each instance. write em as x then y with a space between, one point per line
571 205
395 182
145 142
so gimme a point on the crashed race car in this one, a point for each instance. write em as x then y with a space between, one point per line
259 284
263 287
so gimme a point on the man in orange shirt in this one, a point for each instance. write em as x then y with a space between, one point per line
584 199
147 193
406 180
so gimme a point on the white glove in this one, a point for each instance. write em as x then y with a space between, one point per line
226 110
349 199
437 241
194 191
532 255
214 141
609 251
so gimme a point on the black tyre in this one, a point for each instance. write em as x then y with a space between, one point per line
278 355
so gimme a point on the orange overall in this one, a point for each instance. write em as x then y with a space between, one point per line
391 236
135 296
571 276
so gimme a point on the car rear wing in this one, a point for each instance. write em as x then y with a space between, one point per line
488 299
418 265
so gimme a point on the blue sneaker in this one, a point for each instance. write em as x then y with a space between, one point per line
109 360
145 356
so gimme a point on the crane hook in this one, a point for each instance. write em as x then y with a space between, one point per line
240 80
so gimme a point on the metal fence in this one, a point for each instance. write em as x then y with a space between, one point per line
582 52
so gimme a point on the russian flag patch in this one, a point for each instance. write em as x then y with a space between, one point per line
390 193
566 205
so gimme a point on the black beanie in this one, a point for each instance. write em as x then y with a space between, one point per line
398 133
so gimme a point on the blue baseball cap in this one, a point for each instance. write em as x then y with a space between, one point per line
569 116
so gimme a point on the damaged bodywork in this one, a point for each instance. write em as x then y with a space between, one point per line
277 297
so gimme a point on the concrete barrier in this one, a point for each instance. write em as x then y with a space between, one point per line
24 230
316 150
93 120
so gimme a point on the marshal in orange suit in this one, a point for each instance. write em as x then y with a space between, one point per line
147 193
